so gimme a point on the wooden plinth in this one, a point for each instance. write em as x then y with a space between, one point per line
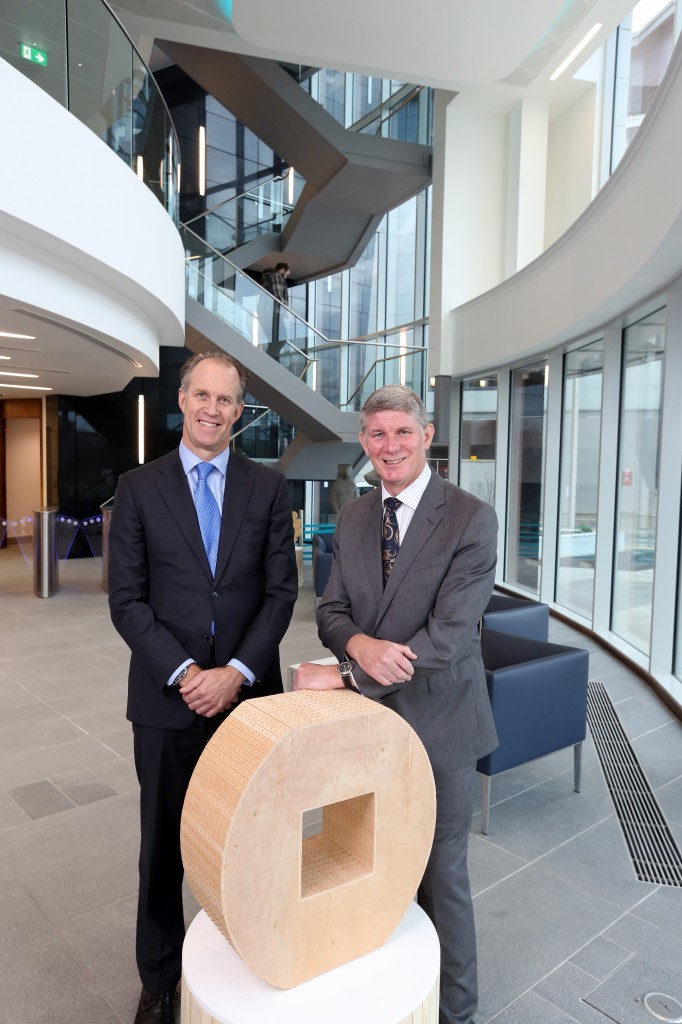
397 984
294 907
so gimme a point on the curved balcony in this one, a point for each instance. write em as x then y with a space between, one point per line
81 56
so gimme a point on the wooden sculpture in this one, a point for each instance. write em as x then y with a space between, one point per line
294 908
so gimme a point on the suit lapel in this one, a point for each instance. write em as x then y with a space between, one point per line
427 516
174 489
238 488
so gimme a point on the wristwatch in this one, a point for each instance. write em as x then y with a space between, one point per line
181 675
345 670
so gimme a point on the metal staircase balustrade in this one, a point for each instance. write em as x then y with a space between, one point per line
243 218
321 364
351 179
407 367
234 297
387 109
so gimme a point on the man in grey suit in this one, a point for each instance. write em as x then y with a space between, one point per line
414 565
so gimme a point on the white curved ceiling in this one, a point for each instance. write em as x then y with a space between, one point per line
451 44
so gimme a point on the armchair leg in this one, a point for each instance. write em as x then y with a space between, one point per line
577 766
485 793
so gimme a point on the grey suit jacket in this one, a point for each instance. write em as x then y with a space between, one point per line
440 584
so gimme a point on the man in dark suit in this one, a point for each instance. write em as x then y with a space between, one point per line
202 584
414 565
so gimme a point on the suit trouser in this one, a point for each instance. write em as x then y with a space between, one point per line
164 760
444 894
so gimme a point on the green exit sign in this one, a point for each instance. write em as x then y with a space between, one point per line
35 56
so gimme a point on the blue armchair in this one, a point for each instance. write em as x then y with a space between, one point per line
323 546
518 616
538 693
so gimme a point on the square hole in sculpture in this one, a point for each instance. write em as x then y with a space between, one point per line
343 848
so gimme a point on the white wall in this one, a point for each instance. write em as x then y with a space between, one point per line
526 178
469 186
570 158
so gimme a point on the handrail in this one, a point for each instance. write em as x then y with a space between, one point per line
260 416
236 298
252 281
393 104
334 343
296 349
234 199
377 362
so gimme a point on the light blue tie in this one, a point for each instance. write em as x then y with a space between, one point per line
208 514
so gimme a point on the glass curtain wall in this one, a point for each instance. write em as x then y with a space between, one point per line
638 473
644 43
526 475
478 435
580 438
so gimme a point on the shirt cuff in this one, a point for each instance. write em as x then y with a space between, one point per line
250 677
190 661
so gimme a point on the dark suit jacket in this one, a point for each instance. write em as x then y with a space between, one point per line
161 594
440 584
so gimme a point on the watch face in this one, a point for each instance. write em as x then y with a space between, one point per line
345 668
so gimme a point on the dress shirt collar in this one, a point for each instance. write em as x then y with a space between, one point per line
412 494
190 460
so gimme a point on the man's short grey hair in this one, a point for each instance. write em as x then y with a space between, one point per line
394 398
219 357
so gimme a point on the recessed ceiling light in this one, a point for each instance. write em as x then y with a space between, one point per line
5 357
26 387
8 334
9 373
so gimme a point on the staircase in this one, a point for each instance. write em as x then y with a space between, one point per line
315 384
351 179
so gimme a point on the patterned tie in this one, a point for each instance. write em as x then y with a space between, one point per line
390 541
208 514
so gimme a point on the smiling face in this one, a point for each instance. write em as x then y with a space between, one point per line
210 406
397 445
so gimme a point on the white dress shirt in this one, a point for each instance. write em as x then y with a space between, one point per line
410 498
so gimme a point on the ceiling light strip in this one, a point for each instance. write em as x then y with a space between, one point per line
574 52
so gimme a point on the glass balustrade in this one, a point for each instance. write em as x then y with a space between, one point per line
258 316
343 372
80 54
406 367
245 217
398 116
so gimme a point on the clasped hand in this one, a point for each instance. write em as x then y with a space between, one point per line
208 691
385 661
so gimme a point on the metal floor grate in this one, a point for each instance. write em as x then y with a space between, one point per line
653 849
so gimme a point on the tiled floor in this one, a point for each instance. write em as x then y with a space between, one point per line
558 907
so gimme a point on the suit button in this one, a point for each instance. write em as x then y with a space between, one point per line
214 594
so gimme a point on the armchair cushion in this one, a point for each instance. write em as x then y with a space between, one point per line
518 616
